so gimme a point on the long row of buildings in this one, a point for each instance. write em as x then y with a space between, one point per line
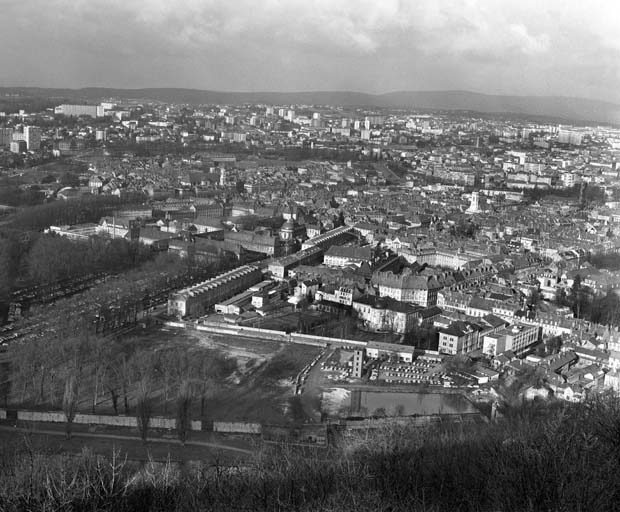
195 300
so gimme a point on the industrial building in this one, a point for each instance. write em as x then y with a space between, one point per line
195 300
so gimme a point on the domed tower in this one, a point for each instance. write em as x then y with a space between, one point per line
287 235
287 231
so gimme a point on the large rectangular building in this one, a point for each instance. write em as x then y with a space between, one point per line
385 314
195 300
256 242
336 236
280 267
32 136
517 338
80 110
407 287
342 256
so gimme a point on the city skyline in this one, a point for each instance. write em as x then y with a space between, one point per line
556 49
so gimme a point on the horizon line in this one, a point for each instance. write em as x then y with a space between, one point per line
318 91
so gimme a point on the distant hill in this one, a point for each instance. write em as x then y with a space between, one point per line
576 109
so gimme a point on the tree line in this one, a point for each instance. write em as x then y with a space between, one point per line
122 301
26 255
73 351
83 372
34 260
75 211
53 257
13 195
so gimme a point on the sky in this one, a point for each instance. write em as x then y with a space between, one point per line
525 47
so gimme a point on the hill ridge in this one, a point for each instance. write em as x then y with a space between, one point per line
564 107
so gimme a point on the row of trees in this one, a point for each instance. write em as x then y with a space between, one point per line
102 374
76 211
26 260
34 260
53 258
119 302
12 195
591 194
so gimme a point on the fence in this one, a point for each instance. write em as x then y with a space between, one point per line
255 332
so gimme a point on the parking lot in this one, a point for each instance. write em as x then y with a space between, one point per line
420 371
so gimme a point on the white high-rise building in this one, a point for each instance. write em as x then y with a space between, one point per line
32 136
571 137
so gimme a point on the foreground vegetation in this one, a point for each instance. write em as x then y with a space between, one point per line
535 458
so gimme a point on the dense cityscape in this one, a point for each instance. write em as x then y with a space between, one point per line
298 300
485 245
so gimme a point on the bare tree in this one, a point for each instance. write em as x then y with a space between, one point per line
101 353
184 405
110 382
5 382
202 372
144 409
166 365
25 364
122 372
70 401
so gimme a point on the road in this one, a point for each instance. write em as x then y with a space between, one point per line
51 440
311 395
122 437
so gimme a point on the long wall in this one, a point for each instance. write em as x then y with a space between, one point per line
303 339
254 332
131 422
95 419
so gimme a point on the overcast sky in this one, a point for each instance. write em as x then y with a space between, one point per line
542 47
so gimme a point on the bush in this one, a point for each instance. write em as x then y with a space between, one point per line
557 461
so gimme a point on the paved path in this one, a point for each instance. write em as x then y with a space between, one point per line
124 438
